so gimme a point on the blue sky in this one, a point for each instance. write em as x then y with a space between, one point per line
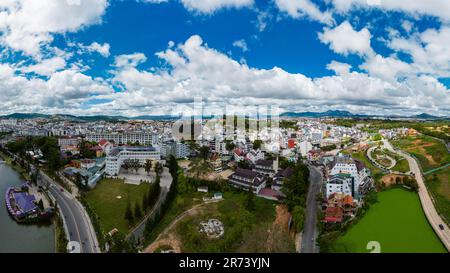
140 57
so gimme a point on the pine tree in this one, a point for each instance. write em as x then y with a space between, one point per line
137 211
129 214
250 200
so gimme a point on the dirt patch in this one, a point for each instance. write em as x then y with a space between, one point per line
420 146
172 241
389 179
280 224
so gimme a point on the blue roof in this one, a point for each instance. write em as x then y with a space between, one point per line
24 201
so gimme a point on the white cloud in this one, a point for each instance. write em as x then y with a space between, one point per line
196 70
64 91
130 60
46 67
210 6
343 39
102 49
242 44
388 69
27 25
437 8
429 50
339 68
304 8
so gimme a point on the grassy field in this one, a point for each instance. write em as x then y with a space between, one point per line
245 231
430 152
397 222
110 209
439 185
376 172
401 166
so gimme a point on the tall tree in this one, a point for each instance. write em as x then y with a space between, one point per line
137 211
250 200
129 214
148 166
158 168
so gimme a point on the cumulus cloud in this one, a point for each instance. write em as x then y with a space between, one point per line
304 8
63 91
343 39
102 49
242 44
388 69
27 25
129 60
339 68
46 67
437 8
210 6
197 70
429 50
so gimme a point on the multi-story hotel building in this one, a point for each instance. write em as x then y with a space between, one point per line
118 155
143 138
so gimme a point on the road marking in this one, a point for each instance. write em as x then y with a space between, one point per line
71 214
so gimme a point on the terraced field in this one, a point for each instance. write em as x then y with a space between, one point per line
430 152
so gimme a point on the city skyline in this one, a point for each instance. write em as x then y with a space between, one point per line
135 58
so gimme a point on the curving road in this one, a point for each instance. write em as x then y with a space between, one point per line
425 199
77 221
310 233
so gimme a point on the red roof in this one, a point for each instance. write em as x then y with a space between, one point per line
291 143
238 151
334 214
269 193
102 142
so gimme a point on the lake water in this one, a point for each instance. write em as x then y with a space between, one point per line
16 237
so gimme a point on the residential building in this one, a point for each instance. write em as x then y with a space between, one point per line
247 179
266 167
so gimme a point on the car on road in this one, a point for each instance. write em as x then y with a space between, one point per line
441 226
61 189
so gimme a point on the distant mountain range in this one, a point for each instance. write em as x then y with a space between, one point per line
329 113
347 114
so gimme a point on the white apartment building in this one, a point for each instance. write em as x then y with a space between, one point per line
340 183
346 165
68 141
305 147
117 156
175 148
143 138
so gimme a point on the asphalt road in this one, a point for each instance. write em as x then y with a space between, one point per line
425 199
77 221
310 233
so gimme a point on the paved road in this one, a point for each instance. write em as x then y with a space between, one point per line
77 221
308 242
369 154
427 204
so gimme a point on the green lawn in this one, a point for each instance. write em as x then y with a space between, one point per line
376 172
110 209
397 222
439 185
401 166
